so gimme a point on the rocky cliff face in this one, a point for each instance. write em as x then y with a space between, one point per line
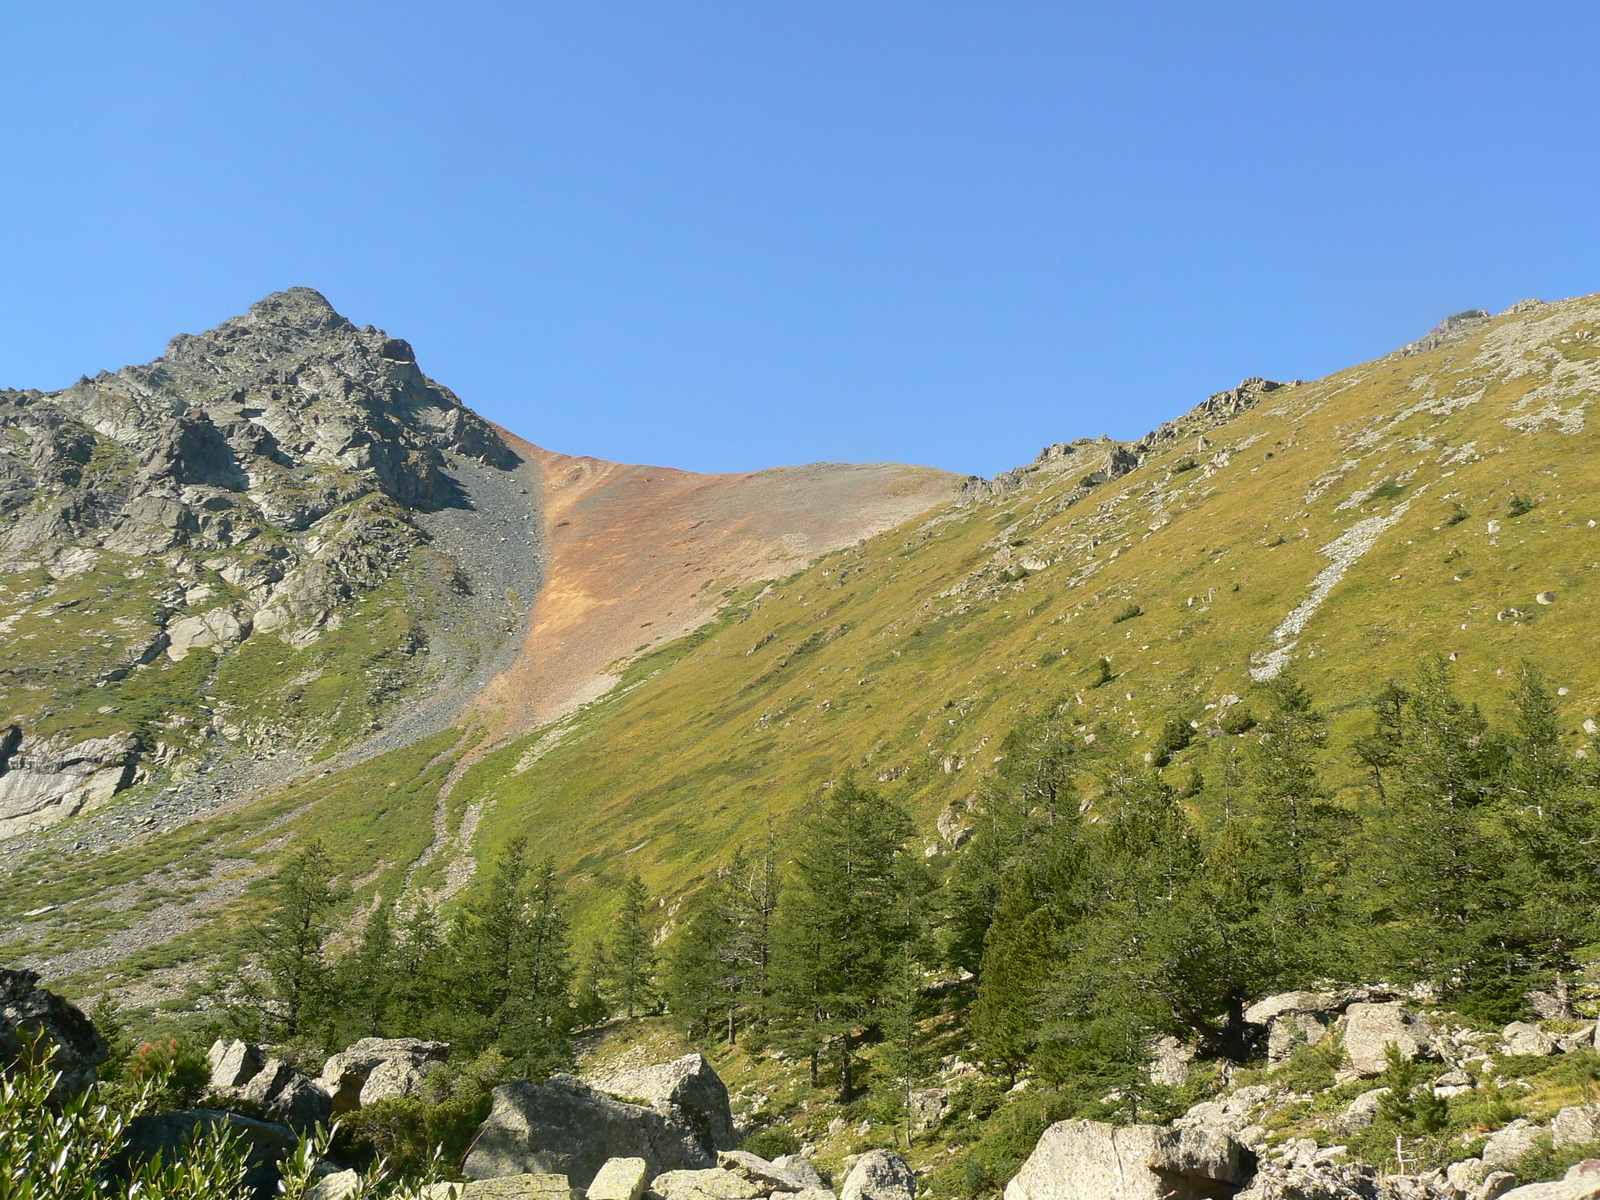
253 484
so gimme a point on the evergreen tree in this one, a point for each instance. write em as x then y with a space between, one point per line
1553 815
1032 792
537 1016
703 975
290 943
365 979
633 956
903 1059
1294 835
485 943
419 977
1435 862
841 923
590 1006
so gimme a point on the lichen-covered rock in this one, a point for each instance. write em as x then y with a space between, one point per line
1313 1181
1087 1160
405 1062
1371 1028
1506 1146
234 1064
565 1126
1523 1038
1581 1182
35 1021
620 1179
713 1184
689 1085
766 1176
880 1175
1575 1126
525 1186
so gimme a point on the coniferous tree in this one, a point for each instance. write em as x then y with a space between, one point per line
590 1006
1435 861
703 974
290 944
365 979
1553 815
633 955
1032 792
485 942
419 976
841 922
903 1059
537 1016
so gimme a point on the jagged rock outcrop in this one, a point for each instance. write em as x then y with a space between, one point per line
1088 1160
241 1070
44 781
564 1126
35 1022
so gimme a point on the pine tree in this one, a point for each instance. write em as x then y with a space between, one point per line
633 956
365 979
419 975
703 972
1553 815
903 1059
290 943
1434 867
841 923
589 1005
485 942
537 1017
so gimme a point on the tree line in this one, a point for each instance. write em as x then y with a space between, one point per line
1101 903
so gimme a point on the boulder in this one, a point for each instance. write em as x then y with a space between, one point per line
1575 1127
1169 1062
928 1106
767 1176
234 1064
1370 1028
1523 1038
1461 1177
814 1193
1361 1111
1314 1181
1088 1160
564 1125
344 1075
1507 1145
689 1085
396 1077
620 1179
880 1175
1228 1115
1580 1039
801 1168
335 1186
286 1095
1292 1030
526 1186
713 1184
1263 1012
171 1133
1494 1185
35 1021
1581 1182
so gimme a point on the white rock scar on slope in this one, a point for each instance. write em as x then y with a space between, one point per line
1345 551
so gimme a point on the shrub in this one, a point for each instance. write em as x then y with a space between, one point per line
1103 673
176 1068
1518 504
1457 515
1175 736
1127 614
1236 720
772 1142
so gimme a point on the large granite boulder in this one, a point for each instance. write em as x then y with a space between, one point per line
527 1186
688 1085
399 1064
35 1022
620 1179
1371 1028
768 1177
243 1071
564 1126
171 1134
880 1175
714 1184
1088 1160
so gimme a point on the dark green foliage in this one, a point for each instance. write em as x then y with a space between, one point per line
1518 505
1387 490
1175 735
1457 515
1127 614
1103 675
771 1143
633 956
1410 1107
842 921
289 946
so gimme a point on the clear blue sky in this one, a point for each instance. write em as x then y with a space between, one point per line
731 235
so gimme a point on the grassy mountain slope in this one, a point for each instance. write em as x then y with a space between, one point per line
1346 528
907 658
